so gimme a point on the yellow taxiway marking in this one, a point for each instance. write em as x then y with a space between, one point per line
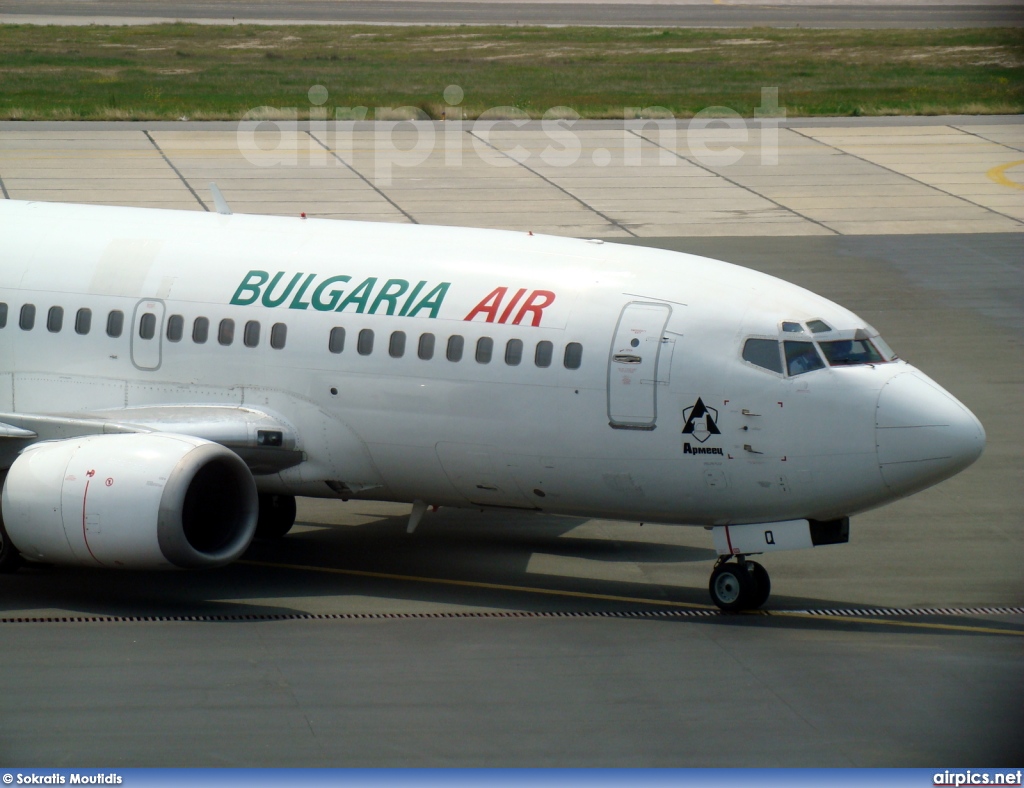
998 174
479 584
616 598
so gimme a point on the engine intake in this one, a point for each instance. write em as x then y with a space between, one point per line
136 501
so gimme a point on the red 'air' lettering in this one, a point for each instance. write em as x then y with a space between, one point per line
512 304
489 306
536 303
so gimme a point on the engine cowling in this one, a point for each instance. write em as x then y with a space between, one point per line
134 501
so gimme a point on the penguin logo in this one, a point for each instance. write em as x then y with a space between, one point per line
700 421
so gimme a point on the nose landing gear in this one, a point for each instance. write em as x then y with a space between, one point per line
743 585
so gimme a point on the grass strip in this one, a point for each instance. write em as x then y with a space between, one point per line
207 72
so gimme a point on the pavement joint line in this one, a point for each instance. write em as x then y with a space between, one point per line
986 139
362 177
737 184
550 182
176 171
915 180
3 190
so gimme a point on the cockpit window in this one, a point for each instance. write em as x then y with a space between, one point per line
790 327
883 348
845 352
818 326
801 357
763 353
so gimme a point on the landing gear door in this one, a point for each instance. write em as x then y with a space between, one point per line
633 375
147 331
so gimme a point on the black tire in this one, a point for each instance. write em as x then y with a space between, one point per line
731 587
277 516
762 585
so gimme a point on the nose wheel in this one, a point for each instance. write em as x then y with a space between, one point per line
739 585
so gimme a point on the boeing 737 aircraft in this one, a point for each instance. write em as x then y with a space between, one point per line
170 381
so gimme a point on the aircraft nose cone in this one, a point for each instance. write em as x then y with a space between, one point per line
923 433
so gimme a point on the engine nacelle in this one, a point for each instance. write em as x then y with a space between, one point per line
135 501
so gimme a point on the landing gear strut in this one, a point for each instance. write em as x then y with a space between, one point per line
277 516
743 585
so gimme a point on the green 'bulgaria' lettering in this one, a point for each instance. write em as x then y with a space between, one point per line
359 296
327 306
394 297
432 300
252 283
297 302
389 293
268 298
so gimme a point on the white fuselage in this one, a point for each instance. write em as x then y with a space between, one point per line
646 410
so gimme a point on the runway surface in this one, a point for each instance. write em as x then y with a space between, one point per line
508 639
654 14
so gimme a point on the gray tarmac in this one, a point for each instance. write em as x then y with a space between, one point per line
505 639
936 14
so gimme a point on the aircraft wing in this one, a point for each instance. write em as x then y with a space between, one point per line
265 442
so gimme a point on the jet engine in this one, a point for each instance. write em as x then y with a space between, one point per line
133 501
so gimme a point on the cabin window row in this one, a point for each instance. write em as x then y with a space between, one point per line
200 330
454 348
54 318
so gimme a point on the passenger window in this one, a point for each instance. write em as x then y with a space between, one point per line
514 352
763 353
83 321
364 344
278 336
455 345
801 357
175 328
251 335
573 355
818 326
542 357
226 331
3 315
55 319
200 330
147 326
426 347
336 343
396 347
115 323
484 350
27 321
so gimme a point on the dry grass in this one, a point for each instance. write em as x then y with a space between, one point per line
201 71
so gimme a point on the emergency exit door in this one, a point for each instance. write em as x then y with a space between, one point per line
147 333
633 366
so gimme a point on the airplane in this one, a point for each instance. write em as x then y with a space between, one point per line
170 381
